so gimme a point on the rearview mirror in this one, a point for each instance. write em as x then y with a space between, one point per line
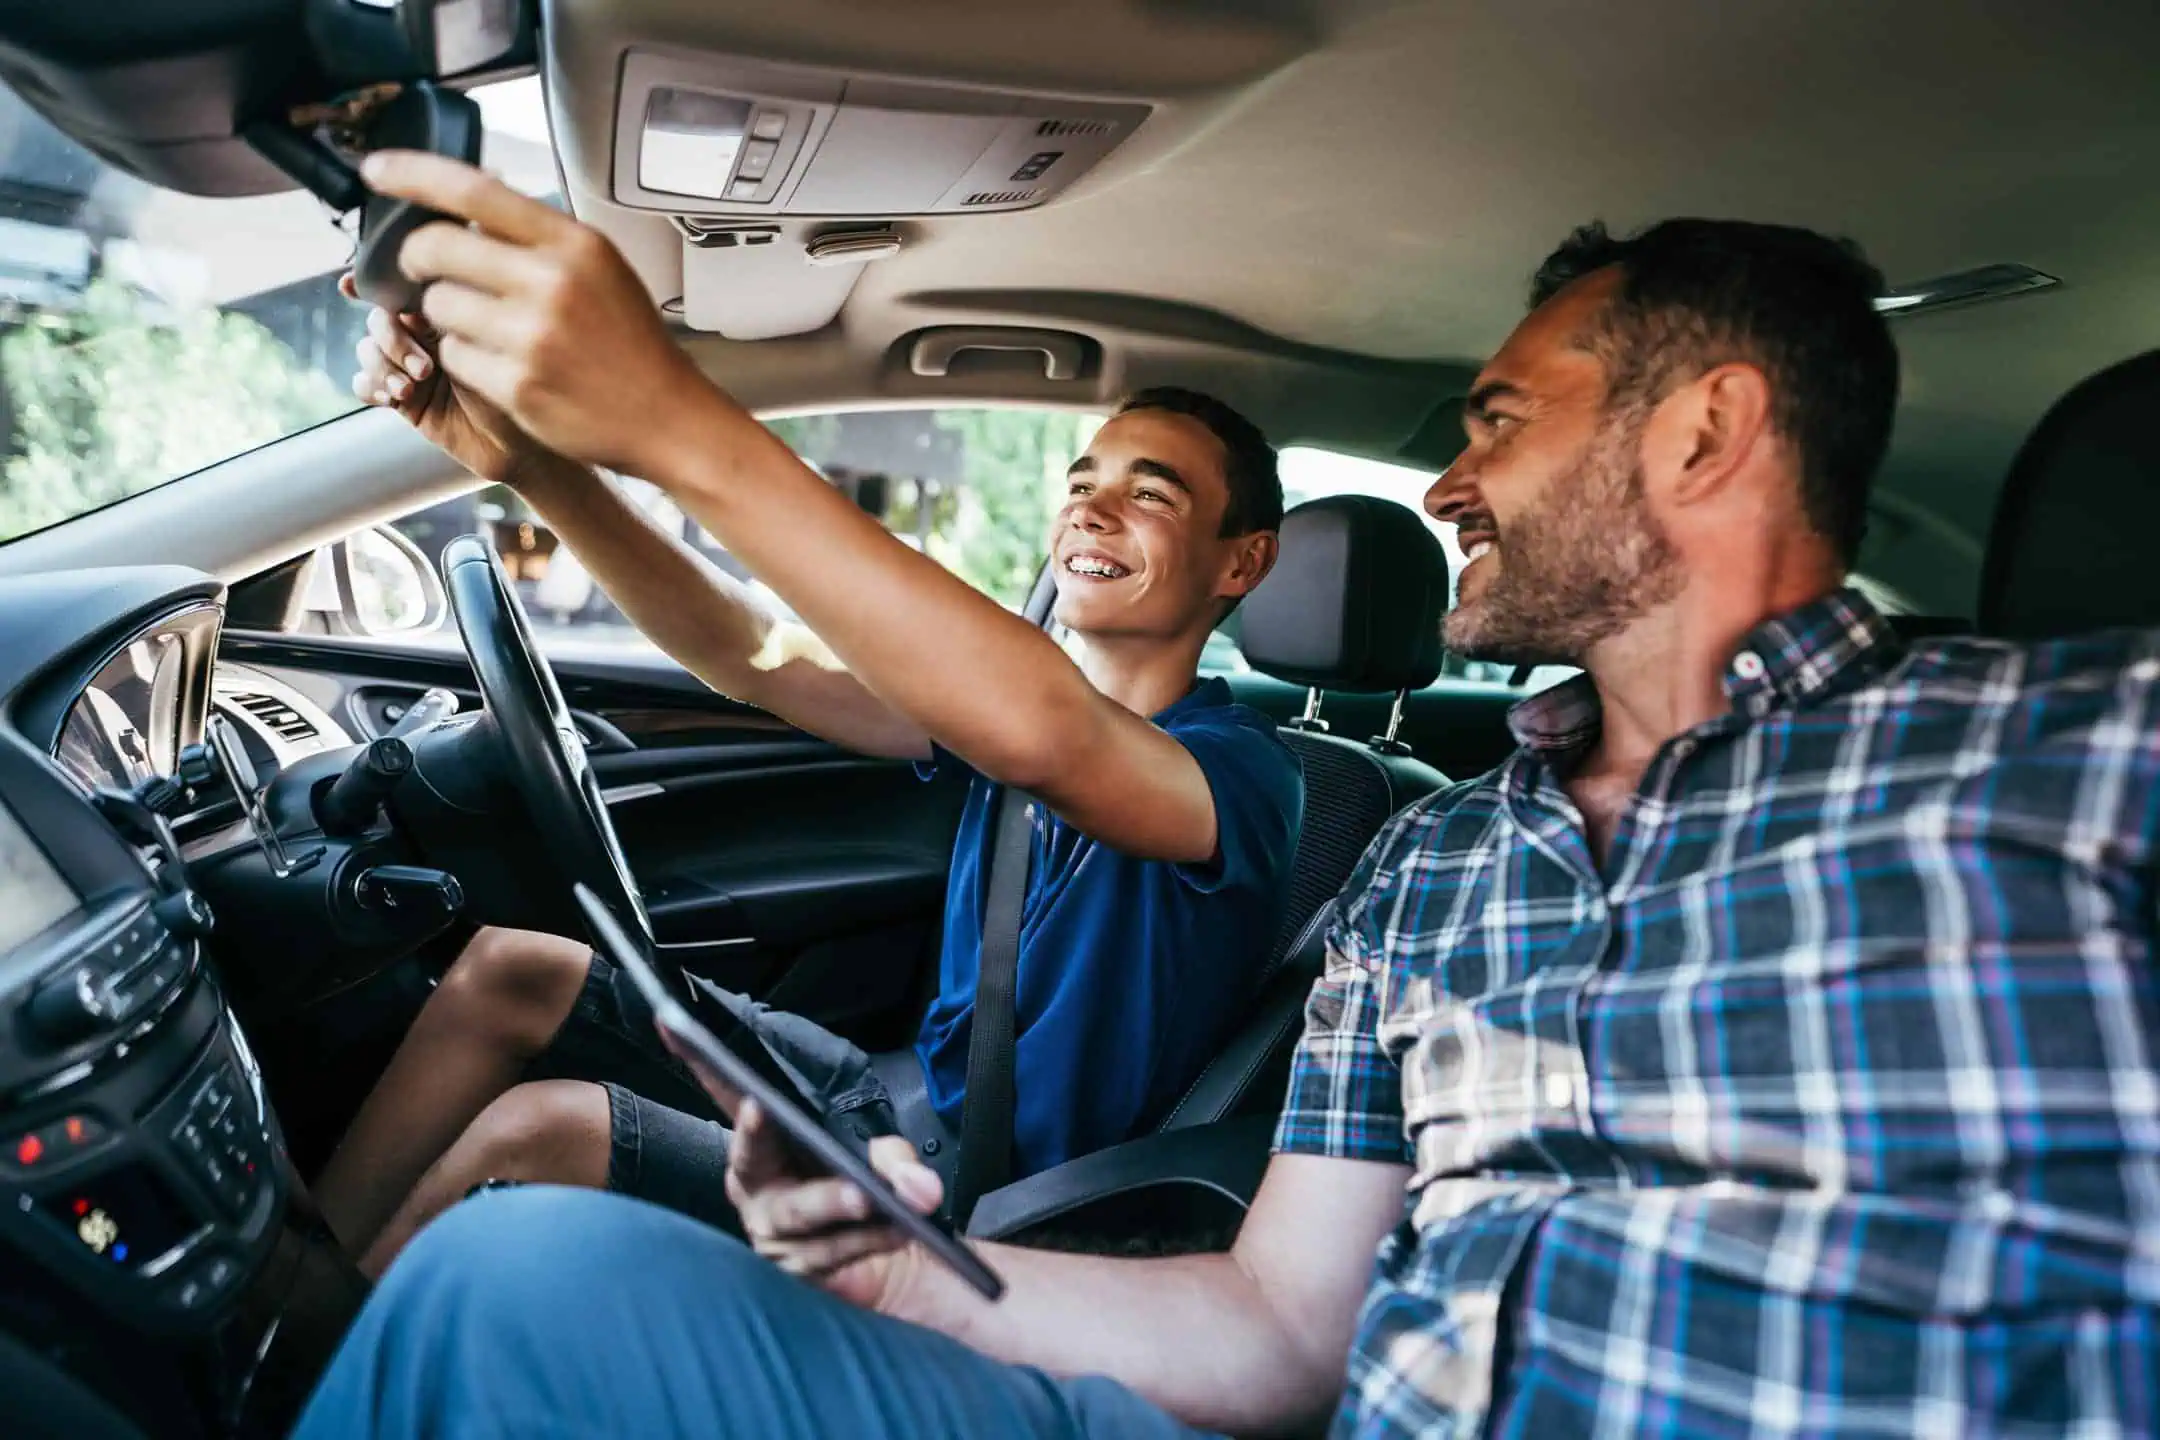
368 42
452 37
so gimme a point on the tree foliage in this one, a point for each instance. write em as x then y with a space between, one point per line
1013 461
989 529
110 399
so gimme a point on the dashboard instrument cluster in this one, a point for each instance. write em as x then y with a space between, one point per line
144 704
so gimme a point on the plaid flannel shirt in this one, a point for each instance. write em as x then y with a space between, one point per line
1827 1104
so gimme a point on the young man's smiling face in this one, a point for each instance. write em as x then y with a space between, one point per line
1137 549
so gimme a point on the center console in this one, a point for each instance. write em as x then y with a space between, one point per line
145 1195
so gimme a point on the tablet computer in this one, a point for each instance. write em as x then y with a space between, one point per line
802 1129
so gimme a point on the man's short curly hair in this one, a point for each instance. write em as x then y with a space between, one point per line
1801 306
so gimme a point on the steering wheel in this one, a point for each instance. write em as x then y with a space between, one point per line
547 758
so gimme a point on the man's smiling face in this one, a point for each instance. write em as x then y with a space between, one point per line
1548 498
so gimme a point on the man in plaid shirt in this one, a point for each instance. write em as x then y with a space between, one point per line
1765 1048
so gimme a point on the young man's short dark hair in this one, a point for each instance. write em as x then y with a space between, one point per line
1696 293
1256 498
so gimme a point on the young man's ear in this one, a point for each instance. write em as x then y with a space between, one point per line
1705 430
1251 560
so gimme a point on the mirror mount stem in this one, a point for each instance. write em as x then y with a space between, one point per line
307 159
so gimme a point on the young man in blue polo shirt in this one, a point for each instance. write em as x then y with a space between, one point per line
1164 836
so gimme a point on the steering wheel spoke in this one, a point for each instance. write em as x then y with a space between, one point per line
548 763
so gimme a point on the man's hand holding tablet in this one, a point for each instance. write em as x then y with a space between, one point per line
807 1203
811 1224
821 1228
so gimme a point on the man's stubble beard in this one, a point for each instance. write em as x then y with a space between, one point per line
1588 561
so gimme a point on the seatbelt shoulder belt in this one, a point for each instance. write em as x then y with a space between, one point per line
986 1112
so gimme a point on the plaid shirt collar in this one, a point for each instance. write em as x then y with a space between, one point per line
1788 659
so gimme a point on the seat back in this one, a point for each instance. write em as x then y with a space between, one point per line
1354 604
2070 547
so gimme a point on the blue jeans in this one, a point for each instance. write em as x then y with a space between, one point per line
558 1313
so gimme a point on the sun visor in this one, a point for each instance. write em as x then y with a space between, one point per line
757 282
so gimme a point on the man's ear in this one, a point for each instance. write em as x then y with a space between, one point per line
1252 557
1705 431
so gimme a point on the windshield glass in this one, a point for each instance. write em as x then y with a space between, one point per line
146 334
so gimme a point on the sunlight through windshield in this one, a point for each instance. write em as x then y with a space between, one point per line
146 334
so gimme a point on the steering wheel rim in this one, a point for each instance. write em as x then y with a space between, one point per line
548 763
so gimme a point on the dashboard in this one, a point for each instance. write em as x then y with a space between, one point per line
144 1181
151 697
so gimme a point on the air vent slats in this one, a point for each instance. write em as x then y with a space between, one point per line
288 723
1055 129
1001 197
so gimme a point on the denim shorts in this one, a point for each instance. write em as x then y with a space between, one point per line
667 1142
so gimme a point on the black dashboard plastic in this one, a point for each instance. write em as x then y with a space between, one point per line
156 86
144 1180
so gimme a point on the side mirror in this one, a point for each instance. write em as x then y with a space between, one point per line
375 582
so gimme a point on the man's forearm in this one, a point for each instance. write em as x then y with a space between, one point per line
1194 1334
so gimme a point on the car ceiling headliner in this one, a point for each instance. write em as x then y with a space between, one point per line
1377 180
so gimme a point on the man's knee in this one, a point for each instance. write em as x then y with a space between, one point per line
523 1263
557 1131
519 985
537 1308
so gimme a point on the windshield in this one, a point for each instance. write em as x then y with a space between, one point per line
146 334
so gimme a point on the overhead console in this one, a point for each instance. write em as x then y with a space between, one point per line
784 180
710 136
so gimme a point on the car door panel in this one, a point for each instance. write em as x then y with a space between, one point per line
771 862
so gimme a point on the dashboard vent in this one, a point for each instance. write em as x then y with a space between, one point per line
289 724
1000 197
1056 129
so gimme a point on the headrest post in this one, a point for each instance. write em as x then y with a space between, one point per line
1387 744
1310 719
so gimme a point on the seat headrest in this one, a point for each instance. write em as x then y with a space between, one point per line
2071 544
1355 601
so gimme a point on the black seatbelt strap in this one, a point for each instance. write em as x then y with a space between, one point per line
986 1114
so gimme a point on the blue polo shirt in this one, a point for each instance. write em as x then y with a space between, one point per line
1132 973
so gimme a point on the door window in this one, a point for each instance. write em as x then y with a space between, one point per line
974 488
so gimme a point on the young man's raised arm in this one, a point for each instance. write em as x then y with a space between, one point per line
542 317
704 618
701 617
992 687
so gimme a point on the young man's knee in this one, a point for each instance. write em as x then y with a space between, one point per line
557 1131
518 985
